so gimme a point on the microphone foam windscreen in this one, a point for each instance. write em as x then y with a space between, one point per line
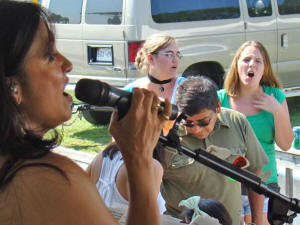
88 91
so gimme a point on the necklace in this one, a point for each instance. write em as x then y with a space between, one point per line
160 82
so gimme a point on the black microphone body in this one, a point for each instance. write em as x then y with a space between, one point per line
95 92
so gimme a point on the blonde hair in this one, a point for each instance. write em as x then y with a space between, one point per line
269 78
152 45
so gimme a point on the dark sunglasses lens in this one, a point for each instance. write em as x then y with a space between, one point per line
188 124
202 124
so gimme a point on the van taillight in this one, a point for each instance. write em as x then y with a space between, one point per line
133 48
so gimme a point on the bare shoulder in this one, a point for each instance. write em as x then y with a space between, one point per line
56 189
94 168
52 172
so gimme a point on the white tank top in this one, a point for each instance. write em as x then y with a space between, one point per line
107 187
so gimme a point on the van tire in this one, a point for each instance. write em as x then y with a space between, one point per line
97 118
212 70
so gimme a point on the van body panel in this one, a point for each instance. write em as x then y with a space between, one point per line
68 36
264 30
289 49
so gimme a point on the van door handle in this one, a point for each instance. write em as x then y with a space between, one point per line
284 41
117 69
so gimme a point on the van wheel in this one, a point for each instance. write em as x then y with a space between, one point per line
97 118
213 71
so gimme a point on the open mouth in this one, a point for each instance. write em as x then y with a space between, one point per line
250 74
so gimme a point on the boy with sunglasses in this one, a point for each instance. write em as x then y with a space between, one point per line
208 124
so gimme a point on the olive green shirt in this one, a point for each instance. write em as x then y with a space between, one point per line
183 177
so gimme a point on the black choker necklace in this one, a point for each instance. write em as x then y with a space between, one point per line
161 82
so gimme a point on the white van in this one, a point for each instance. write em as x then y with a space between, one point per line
102 37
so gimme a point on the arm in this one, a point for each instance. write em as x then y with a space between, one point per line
94 168
137 145
256 204
158 173
122 181
283 132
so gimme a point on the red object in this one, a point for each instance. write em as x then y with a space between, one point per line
240 162
133 48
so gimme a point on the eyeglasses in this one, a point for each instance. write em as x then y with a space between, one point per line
170 55
198 123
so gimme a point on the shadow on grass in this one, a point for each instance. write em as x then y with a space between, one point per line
85 147
96 134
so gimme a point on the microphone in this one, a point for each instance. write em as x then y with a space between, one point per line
95 92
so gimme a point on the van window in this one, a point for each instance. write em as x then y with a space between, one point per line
104 12
169 11
67 11
286 7
259 8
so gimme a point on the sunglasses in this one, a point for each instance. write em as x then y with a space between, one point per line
198 123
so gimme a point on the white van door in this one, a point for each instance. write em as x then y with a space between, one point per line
103 40
68 28
289 42
260 25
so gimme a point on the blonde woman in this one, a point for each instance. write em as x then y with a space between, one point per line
251 87
158 59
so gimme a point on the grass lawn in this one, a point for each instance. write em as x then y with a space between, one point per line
83 136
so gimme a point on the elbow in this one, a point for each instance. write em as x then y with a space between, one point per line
287 142
287 145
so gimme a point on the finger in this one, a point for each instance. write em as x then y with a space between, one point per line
168 107
151 101
166 113
155 104
136 100
113 121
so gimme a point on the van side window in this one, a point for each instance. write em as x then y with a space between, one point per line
169 11
286 7
65 12
259 8
104 12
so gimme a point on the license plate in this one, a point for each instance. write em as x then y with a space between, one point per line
104 54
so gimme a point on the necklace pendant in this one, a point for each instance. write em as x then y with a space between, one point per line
161 89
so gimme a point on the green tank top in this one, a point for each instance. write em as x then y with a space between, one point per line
262 124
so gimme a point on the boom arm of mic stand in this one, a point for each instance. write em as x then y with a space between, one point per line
278 201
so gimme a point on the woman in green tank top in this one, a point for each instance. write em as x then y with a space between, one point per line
252 88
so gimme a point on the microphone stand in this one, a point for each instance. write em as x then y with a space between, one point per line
281 209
